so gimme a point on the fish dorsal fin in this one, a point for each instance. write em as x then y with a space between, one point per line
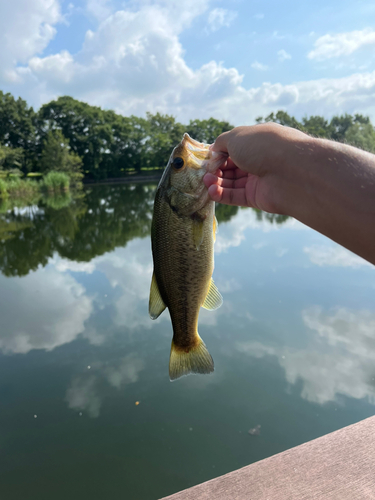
156 304
213 299
197 233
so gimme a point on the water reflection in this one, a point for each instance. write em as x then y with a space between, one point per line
294 339
339 358
87 392
42 311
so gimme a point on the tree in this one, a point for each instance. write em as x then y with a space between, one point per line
17 127
361 135
84 126
207 130
56 155
317 126
163 133
282 118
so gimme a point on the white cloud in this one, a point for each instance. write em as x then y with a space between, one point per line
341 44
45 322
133 63
259 66
339 361
218 18
26 28
335 256
259 16
100 9
233 233
283 55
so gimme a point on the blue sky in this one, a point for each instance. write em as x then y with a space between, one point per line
233 60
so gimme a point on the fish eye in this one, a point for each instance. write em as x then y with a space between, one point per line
178 162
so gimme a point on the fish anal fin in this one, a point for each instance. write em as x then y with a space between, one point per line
213 298
156 304
196 360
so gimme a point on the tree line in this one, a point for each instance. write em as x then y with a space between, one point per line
73 136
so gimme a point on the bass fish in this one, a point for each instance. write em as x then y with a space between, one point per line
183 234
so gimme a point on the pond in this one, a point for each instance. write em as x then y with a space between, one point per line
86 406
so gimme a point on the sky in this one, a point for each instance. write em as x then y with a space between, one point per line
193 59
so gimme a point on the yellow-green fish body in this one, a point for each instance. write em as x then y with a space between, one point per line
183 233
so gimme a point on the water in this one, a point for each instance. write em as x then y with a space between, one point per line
293 344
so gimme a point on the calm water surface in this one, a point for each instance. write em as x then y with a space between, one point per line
293 344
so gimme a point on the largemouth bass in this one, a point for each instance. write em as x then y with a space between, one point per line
182 235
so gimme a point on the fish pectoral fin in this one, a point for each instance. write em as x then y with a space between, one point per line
197 233
215 227
195 360
156 304
213 298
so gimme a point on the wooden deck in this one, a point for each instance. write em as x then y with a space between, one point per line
338 466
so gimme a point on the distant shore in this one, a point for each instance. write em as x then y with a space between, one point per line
125 180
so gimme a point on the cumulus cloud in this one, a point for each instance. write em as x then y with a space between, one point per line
133 62
335 256
100 9
26 28
339 361
218 18
283 55
45 322
341 44
259 66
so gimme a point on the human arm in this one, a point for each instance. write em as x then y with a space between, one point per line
328 186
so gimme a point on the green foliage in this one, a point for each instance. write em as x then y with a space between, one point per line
282 118
57 201
56 181
11 158
361 135
57 157
225 212
3 189
70 136
207 130
17 128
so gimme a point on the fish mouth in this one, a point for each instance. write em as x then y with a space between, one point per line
198 152
201 155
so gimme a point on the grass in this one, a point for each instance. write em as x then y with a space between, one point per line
53 183
19 187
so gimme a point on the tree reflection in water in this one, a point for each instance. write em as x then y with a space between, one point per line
81 227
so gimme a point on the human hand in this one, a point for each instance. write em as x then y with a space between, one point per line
255 169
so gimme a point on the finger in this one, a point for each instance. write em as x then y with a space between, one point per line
234 173
210 179
220 145
228 196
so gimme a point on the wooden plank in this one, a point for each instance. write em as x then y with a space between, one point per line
338 466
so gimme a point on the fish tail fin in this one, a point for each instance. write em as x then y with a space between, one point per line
196 360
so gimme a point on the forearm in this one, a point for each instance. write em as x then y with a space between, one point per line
331 188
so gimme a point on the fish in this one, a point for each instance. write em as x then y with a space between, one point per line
183 232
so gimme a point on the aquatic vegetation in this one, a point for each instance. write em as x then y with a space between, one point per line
56 181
